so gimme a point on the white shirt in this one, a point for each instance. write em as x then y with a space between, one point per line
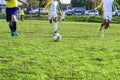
53 6
107 4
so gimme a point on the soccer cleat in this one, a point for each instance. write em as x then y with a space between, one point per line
14 34
54 34
55 31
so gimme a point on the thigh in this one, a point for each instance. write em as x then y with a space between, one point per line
8 14
11 13
53 15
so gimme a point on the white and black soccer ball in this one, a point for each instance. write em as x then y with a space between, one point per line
57 37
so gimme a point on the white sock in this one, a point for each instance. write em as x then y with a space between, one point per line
55 26
62 22
104 31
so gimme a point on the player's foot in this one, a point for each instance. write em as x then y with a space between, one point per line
14 34
55 33
100 29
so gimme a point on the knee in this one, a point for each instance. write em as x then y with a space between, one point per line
14 19
55 20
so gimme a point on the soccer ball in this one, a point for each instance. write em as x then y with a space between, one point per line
57 37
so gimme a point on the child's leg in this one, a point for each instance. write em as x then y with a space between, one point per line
63 21
14 22
11 26
55 25
106 25
103 24
14 25
50 21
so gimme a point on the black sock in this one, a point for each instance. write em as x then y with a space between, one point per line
14 26
11 28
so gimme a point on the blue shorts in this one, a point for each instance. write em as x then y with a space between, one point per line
10 12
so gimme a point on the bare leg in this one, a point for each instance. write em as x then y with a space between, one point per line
103 24
50 21
106 25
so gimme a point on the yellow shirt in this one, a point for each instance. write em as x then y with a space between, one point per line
21 12
48 6
100 6
11 3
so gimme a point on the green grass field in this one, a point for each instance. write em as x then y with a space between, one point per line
82 54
